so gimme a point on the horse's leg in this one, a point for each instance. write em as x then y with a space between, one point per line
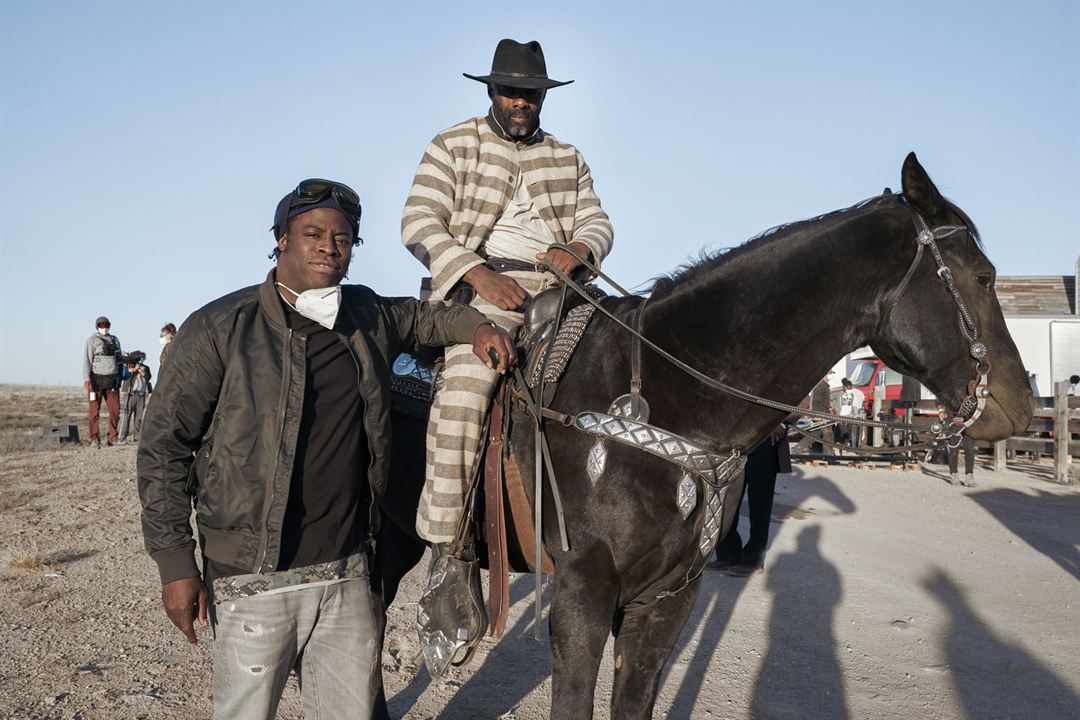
643 642
582 607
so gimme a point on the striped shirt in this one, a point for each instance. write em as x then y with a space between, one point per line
465 181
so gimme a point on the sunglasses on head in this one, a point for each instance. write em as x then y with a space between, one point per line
315 190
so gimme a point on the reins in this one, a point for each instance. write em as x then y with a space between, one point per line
970 409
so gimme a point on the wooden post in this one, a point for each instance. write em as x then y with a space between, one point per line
875 413
1061 432
1000 454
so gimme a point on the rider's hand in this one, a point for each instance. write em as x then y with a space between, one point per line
489 340
499 290
564 260
185 601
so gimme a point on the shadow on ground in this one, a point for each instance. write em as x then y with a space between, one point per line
1048 522
720 594
993 678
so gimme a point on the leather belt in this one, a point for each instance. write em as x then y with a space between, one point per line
501 265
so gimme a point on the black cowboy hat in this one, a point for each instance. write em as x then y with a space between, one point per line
519 65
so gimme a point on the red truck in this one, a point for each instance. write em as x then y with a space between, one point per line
871 372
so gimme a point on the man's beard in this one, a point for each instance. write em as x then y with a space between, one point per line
517 129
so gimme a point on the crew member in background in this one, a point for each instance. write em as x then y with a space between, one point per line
165 337
771 456
848 403
135 388
101 379
968 446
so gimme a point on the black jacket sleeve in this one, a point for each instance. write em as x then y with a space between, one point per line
432 323
175 428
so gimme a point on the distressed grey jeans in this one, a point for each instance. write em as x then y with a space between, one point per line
327 632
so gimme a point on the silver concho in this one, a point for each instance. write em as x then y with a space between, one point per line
594 464
686 495
714 518
978 351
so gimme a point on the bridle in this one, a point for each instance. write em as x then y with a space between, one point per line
977 391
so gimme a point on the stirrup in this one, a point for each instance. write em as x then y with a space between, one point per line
451 617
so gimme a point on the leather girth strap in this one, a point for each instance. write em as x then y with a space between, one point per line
521 517
499 578
502 479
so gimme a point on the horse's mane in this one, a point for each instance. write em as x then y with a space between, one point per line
690 272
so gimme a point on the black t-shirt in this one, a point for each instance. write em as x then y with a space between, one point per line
327 514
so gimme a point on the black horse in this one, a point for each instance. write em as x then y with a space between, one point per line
770 317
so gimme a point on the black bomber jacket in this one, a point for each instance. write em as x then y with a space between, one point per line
222 426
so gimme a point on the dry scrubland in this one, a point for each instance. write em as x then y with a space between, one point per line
886 595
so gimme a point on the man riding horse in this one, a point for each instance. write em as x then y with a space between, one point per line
491 196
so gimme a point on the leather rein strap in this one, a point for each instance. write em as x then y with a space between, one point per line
977 392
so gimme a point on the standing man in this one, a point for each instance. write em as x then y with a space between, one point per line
819 400
491 196
848 403
134 390
272 418
771 456
165 337
101 379
965 443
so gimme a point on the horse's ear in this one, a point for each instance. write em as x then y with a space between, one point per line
887 191
919 189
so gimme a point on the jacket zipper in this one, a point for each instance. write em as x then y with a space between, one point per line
287 373
367 433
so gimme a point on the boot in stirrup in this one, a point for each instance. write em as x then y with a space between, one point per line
451 617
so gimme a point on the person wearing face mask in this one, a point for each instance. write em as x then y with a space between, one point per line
165 337
272 416
490 198
135 389
101 379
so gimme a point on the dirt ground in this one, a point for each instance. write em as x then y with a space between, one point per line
886 594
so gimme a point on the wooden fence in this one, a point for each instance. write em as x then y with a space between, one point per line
1054 431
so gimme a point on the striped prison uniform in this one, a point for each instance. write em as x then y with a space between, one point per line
465 180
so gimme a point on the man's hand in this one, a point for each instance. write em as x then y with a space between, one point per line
86 384
499 290
564 260
488 340
778 433
185 601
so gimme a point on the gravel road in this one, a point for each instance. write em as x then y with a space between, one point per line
886 594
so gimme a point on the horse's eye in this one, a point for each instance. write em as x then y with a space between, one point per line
986 280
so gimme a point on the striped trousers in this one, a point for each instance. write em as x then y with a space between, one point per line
457 419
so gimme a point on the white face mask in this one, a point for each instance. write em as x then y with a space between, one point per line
320 305
164 340
103 331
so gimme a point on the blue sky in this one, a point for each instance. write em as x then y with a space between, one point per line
143 146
